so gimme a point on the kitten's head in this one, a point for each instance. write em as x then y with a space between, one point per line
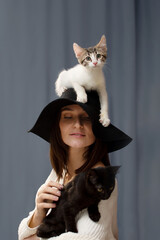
92 57
103 180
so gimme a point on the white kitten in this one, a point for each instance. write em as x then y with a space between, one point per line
87 75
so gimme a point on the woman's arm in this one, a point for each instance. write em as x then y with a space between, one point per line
24 230
47 193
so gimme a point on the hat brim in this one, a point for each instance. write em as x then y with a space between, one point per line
111 135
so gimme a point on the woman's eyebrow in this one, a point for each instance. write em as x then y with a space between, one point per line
66 109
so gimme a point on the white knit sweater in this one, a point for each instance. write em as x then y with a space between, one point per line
105 229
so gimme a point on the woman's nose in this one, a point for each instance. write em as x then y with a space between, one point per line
78 123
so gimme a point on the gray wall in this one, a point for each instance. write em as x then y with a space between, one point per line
35 45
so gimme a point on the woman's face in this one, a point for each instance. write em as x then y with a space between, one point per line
76 127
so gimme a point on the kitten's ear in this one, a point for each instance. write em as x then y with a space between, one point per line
115 169
102 43
77 50
92 176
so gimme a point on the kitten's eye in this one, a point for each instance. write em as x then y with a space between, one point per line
111 188
98 56
88 58
100 189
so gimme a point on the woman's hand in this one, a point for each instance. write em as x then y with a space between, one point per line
45 196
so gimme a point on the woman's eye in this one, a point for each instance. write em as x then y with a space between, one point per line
88 58
67 117
85 118
98 56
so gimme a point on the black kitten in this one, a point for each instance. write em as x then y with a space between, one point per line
84 191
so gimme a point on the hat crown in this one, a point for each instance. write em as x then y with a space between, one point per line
92 97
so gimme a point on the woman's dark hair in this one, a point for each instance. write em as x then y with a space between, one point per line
59 152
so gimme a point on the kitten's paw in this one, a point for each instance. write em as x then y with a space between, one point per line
82 98
47 235
72 229
60 90
53 234
104 120
95 217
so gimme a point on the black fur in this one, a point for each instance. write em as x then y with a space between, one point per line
84 191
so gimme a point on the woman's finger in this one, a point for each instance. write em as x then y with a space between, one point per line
54 184
49 190
51 187
45 197
45 205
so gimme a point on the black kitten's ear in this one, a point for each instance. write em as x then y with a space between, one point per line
92 176
115 169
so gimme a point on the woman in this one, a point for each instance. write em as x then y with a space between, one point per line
77 142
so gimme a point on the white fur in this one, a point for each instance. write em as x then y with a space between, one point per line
83 78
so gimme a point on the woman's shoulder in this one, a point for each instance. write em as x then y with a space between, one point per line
98 164
52 176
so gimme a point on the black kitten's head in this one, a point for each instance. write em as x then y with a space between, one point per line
103 180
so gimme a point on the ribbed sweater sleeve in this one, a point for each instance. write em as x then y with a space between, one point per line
24 230
74 236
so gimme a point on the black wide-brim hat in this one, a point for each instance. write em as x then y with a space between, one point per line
111 135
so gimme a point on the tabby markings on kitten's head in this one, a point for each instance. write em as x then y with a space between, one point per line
92 56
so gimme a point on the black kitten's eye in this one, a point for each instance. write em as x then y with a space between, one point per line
88 58
100 189
98 56
111 188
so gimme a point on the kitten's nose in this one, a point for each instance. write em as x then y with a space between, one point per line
95 63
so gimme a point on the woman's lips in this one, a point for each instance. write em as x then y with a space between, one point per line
77 134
